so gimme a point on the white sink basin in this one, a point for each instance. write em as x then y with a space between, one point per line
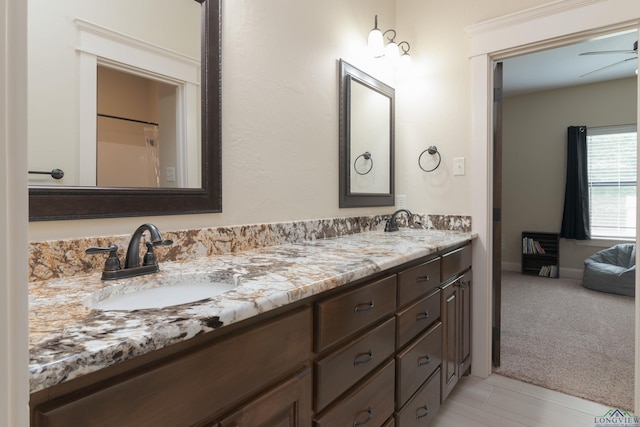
158 295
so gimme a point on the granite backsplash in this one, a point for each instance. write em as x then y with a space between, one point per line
55 259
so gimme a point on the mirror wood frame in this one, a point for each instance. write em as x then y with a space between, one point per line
62 203
347 198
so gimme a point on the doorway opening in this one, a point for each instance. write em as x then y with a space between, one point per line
529 176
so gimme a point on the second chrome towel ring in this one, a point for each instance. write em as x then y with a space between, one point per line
367 156
431 150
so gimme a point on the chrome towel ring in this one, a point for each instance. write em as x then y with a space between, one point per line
431 150
367 156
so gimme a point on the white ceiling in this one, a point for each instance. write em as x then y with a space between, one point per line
563 66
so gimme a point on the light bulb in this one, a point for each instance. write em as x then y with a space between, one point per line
375 42
391 52
405 60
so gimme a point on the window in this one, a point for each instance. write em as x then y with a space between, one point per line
612 165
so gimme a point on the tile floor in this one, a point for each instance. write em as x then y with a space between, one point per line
504 402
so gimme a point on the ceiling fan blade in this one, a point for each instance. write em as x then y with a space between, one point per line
607 52
608 66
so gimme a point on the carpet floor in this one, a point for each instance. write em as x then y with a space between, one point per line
561 336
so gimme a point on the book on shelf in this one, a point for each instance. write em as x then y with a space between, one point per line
548 271
531 246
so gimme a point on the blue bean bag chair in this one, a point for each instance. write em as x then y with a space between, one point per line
612 270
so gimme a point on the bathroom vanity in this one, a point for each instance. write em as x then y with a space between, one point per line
374 335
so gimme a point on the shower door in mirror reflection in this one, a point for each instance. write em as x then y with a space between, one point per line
114 93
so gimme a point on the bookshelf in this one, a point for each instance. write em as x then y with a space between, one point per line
540 254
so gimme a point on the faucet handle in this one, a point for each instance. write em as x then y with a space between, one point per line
112 263
150 257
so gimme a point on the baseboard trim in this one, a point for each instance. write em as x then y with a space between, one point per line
565 273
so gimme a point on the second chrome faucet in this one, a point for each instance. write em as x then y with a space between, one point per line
112 268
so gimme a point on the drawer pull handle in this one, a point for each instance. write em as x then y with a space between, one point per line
422 279
363 358
369 412
422 412
424 360
363 307
451 298
422 316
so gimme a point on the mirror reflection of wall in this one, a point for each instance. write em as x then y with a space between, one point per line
369 133
67 41
136 131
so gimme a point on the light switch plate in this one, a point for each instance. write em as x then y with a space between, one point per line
458 166
171 174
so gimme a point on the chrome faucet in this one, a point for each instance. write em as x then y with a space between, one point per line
132 267
392 224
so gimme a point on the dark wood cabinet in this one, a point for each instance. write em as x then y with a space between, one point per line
338 371
464 311
191 387
370 404
381 352
342 315
449 313
456 318
417 281
417 362
286 405
423 406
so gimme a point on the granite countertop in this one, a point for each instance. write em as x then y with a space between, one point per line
67 339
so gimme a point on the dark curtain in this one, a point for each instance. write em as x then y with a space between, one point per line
575 218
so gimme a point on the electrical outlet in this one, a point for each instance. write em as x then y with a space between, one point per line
458 166
171 174
401 201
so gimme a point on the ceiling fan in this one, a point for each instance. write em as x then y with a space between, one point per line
633 51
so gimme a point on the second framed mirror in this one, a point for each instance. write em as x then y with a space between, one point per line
367 127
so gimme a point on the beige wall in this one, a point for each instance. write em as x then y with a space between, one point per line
534 157
280 102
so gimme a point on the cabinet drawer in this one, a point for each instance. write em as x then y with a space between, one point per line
340 316
194 386
456 262
417 362
423 406
370 404
417 317
418 281
343 368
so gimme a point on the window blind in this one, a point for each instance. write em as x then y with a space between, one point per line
612 166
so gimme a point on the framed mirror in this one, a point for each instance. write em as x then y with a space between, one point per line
51 202
366 140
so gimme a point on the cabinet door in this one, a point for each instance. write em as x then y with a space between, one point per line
287 405
464 309
450 328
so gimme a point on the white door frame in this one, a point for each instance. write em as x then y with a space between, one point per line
556 23
14 349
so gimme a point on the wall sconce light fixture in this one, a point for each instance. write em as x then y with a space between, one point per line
391 51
